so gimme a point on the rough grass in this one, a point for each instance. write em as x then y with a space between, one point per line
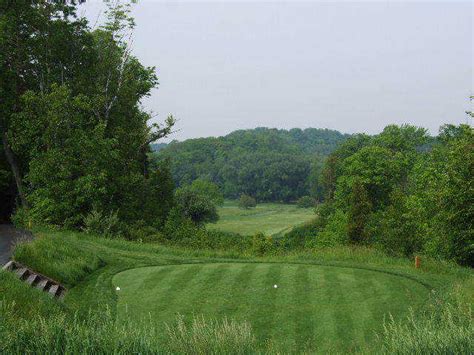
268 218
314 308
91 292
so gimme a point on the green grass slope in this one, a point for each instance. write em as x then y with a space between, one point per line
268 218
339 309
328 299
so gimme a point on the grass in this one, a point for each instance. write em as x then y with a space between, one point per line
268 218
348 293
323 307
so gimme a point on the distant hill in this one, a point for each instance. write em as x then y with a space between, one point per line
270 164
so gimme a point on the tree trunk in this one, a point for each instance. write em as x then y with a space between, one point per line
15 169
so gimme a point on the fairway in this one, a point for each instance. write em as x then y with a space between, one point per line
268 218
314 307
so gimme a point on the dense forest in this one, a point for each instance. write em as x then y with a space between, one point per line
268 164
401 191
74 136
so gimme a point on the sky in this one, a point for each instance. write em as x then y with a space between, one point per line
344 65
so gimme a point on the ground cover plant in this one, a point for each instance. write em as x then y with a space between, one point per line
268 218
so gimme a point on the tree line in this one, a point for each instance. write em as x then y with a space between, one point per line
267 164
402 191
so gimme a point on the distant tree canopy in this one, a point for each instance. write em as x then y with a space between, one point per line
268 164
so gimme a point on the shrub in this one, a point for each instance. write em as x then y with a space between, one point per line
261 244
200 209
247 201
306 202
99 223
334 232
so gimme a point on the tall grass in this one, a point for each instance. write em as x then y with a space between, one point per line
61 333
447 328
210 337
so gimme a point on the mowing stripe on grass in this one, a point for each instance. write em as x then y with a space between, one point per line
344 326
236 302
303 308
315 309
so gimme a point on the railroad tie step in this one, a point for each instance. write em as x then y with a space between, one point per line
9 266
35 279
43 284
32 279
53 290
22 273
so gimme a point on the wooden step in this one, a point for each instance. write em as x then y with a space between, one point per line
35 279
43 285
32 279
53 290
22 273
9 266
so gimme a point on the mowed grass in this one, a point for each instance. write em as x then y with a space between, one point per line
268 218
314 308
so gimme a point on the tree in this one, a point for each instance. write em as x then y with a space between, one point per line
208 189
195 206
359 212
247 201
73 131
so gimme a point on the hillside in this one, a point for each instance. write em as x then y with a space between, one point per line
270 164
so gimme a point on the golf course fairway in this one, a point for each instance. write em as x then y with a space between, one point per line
326 308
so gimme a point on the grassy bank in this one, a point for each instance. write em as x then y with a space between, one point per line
92 267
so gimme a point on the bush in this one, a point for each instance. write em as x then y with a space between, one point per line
200 209
261 244
334 232
247 201
306 202
99 223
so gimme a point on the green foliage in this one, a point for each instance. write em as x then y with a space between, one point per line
72 119
262 244
359 212
209 190
335 232
270 164
246 201
98 223
195 206
306 202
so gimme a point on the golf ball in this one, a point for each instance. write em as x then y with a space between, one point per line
275 286
117 288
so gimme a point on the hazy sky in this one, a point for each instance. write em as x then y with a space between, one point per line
350 66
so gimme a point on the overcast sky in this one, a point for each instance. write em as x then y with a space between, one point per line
354 67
